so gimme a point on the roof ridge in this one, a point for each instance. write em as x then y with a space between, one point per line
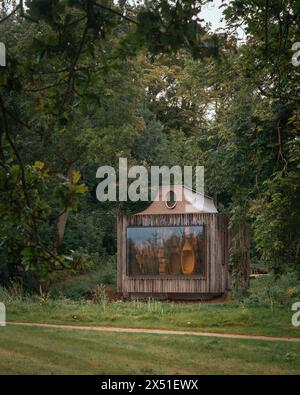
189 188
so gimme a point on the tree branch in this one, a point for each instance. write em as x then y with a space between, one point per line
72 69
15 150
11 14
114 12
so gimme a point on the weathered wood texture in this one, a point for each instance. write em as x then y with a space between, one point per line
215 278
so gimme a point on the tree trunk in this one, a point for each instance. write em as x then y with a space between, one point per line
239 246
62 219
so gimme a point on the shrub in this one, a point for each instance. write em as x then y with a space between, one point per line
80 286
272 291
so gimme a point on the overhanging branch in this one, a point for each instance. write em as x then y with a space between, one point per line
115 12
11 14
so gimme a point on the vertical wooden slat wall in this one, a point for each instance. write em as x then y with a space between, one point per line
215 279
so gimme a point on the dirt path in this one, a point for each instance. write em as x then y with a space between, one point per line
157 331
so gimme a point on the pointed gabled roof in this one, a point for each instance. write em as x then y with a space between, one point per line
187 201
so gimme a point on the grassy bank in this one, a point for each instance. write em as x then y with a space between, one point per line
264 310
49 351
223 318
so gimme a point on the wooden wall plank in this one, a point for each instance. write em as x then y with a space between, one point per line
215 279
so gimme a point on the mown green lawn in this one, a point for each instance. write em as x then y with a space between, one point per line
31 350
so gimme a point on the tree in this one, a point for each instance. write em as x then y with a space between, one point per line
69 95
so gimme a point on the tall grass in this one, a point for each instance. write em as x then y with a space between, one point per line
84 286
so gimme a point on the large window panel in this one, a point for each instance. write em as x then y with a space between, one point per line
165 250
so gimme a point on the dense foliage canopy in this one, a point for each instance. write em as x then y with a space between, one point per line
87 82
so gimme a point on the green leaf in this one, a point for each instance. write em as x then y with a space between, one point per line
39 165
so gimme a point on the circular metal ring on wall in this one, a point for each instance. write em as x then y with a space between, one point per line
171 200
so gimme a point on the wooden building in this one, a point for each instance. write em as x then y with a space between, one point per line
176 248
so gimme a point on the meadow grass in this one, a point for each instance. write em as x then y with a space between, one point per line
257 314
222 318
